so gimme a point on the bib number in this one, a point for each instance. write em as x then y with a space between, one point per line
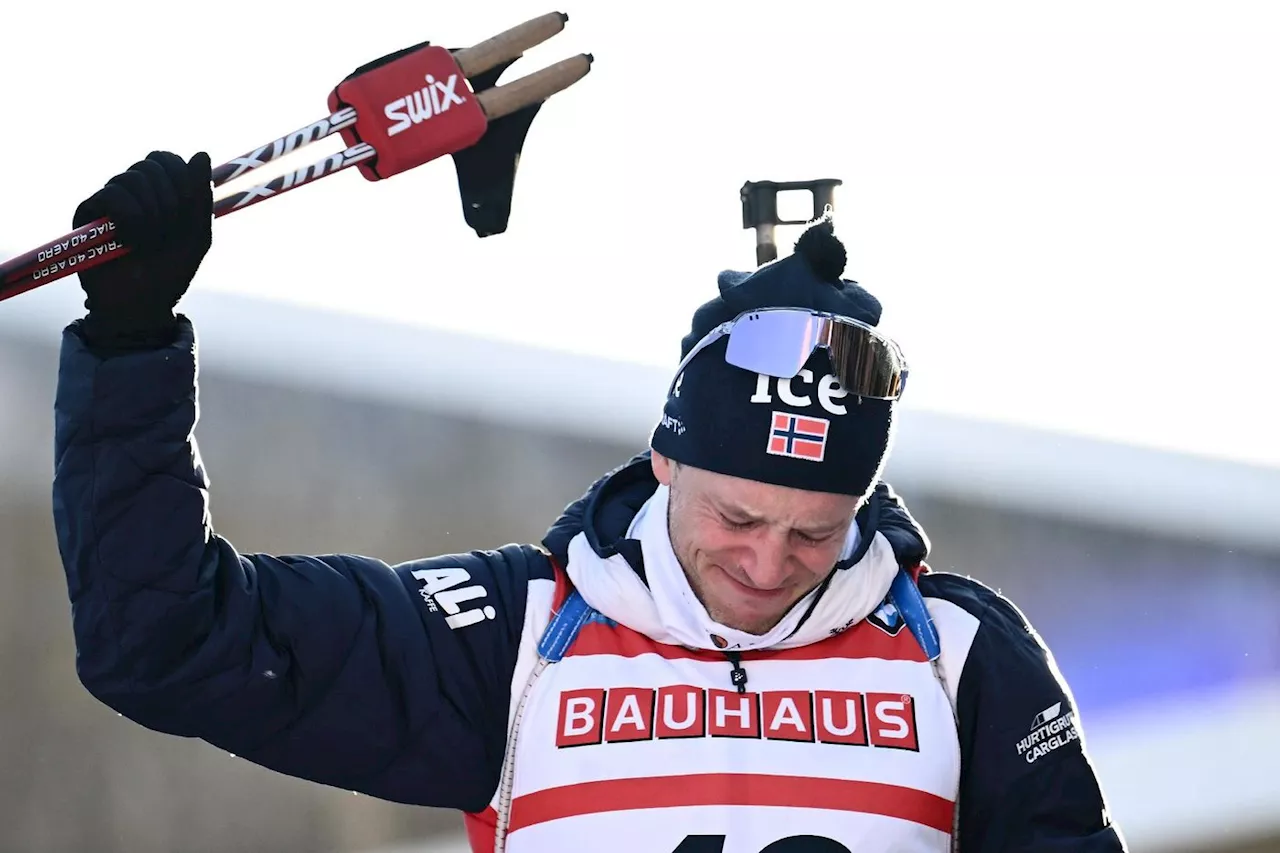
793 844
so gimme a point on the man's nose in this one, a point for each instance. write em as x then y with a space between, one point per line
766 565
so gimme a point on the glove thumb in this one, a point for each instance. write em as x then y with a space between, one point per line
200 176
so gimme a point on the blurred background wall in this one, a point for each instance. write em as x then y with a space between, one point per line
1151 576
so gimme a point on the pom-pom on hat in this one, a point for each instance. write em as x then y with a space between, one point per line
810 277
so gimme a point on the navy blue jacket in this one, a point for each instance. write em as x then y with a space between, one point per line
333 668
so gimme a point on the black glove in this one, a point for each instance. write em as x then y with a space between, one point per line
163 211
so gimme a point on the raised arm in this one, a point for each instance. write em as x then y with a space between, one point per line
338 669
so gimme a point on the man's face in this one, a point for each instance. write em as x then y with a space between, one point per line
751 550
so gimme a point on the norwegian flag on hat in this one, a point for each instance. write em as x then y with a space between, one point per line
798 437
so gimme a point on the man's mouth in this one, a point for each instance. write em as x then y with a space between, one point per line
751 592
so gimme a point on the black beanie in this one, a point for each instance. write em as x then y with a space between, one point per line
807 432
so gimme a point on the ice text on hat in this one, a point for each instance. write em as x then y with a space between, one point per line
828 390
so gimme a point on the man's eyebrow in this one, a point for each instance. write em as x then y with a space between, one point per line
740 515
818 531
731 510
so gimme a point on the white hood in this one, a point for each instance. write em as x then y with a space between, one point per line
667 611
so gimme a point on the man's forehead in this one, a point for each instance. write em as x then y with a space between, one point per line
778 503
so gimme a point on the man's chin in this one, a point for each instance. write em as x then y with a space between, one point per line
748 619
738 607
751 610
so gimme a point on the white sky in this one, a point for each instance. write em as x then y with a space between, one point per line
1070 211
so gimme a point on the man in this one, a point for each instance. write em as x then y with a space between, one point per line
730 643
